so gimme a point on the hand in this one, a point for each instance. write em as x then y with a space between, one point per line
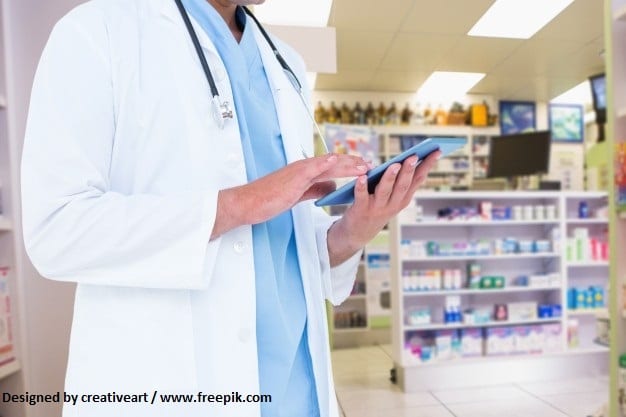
370 212
271 195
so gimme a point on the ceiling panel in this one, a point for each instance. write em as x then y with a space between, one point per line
444 16
358 50
535 57
582 21
345 80
404 81
418 52
383 47
474 54
369 14
581 63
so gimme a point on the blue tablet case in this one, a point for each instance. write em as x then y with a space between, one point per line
345 194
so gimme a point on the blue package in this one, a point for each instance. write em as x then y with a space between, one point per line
572 299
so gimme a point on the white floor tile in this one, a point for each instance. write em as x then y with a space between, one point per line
567 386
492 393
578 405
428 411
382 399
364 381
509 408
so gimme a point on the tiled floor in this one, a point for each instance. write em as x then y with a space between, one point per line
364 390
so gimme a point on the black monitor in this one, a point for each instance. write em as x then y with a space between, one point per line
519 155
598 95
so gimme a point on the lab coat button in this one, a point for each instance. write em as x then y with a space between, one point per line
239 246
244 335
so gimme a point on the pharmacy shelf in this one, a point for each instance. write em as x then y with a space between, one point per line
439 326
517 356
452 172
462 223
588 350
484 257
491 195
9 368
620 14
479 291
587 312
350 329
587 264
5 224
587 221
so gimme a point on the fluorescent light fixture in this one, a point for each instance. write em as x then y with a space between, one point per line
311 77
518 19
580 94
444 86
294 12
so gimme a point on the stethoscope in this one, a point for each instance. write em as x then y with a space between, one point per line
221 110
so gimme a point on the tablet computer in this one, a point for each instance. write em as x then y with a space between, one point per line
345 194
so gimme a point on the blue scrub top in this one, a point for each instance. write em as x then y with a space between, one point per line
285 370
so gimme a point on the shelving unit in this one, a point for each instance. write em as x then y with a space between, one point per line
9 364
411 370
468 164
5 225
372 289
615 56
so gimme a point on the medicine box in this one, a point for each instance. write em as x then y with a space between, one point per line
471 342
499 341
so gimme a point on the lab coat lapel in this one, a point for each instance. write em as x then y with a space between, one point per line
286 99
169 11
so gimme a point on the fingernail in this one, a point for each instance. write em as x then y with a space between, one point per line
331 158
362 180
395 170
414 162
361 168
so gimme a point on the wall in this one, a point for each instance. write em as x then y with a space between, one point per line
566 160
45 307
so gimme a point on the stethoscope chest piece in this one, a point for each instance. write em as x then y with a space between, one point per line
220 111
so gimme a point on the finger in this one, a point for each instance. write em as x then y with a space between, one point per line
346 166
402 186
422 170
319 190
361 195
385 186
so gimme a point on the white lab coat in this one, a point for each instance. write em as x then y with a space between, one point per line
121 168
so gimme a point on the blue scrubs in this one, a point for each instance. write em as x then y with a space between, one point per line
285 369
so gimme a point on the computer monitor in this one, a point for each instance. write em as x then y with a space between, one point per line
519 155
598 94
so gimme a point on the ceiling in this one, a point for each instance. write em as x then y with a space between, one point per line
396 45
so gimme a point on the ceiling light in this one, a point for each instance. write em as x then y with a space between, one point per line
311 77
445 86
519 19
580 94
294 12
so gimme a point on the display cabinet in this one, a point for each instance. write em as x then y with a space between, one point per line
482 279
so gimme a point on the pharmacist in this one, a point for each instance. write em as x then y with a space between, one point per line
201 262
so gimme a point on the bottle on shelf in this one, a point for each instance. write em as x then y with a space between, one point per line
320 113
405 116
440 115
370 114
418 116
358 115
381 114
428 115
392 115
346 114
333 113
